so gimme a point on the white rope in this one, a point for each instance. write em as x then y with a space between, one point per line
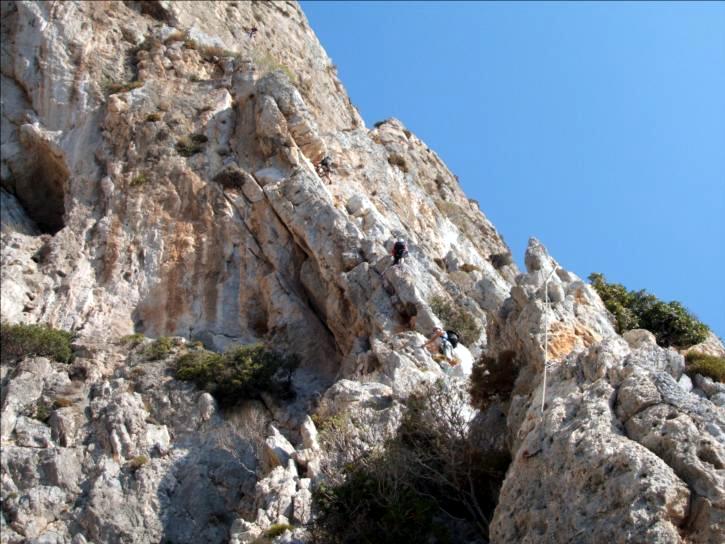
546 337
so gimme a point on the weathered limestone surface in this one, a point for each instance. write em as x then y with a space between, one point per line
622 452
159 175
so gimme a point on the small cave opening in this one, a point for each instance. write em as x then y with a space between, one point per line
39 186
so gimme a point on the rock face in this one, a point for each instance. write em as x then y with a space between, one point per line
160 175
621 452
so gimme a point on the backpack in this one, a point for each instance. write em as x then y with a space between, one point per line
452 338
400 249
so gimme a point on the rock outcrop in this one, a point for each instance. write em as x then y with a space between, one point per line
620 450
160 175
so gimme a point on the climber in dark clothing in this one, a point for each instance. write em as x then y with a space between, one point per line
324 168
400 251
440 344
251 32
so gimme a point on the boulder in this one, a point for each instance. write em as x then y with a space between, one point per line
276 450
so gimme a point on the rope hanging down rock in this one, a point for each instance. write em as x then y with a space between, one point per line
546 336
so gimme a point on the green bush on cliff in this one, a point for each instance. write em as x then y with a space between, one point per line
20 341
456 318
707 365
432 478
367 507
240 373
670 322
493 378
160 348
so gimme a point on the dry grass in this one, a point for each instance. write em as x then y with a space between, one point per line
115 88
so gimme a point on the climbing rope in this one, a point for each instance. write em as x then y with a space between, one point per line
546 336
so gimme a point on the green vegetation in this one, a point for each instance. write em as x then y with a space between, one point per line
20 341
670 322
137 373
369 507
63 402
132 340
493 379
468 267
457 319
331 424
153 117
160 348
231 176
429 477
41 410
139 180
278 529
137 462
114 88
190 145
707 365
241 373
499 260
176 36
399 161
266 63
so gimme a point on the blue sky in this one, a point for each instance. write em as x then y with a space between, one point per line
598 128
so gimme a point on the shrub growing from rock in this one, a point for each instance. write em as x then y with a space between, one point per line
278 529
187 146
456 318
499 260
707 365
137 462
493 378
20 341
122 87
160 348
370 506
132 340
139 180
430 478
240 373
62 402
670 322
41 410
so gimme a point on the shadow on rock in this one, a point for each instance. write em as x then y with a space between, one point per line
201 493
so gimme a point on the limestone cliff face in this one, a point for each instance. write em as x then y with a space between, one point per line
240 238
159 176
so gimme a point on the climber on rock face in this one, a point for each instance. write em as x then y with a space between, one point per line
440 343
251 32
324 168
400 251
